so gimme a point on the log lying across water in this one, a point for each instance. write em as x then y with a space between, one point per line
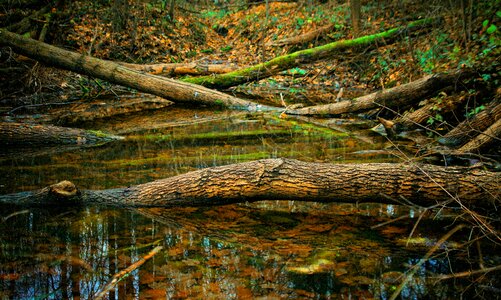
288 179
18 134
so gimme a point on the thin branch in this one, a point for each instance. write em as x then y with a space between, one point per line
424 259
124 273
469 273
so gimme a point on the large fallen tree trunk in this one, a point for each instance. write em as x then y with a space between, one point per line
170 89
282 179
285 62
400 95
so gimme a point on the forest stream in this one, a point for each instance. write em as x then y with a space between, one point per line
263 250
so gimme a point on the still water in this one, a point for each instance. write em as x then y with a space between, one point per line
266 250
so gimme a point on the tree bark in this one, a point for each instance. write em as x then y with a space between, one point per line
20 134
285 62
288 179
400 95
170 89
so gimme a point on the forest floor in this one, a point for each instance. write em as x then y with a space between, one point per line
243 35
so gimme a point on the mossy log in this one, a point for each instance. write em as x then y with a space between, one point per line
288 179
169 89
401 95
22 134
288 61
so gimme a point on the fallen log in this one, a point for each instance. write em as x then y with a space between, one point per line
303 38
182 68
470 128
288 179
285 62
89 111
489 137
169 89
22 134
400 95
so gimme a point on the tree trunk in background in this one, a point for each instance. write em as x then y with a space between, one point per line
170 89
171 10
120 15
285 62
288 179
355 16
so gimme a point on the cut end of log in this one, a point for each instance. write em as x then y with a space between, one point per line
64 188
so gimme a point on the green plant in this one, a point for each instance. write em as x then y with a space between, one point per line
207 51
299 22
226 48
297 71
470 113
437 109
436 118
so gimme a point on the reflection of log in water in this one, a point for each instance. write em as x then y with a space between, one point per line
288 179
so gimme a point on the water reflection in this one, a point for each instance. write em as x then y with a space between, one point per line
271 249
230 252
152 152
